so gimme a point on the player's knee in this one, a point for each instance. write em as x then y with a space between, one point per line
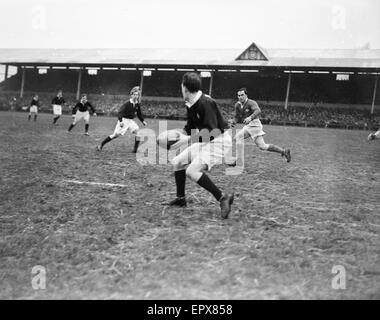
263 146
193 173
177 164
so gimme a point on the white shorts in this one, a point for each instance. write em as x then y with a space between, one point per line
210 154
254 131
33 109
79 115
57 110
128 124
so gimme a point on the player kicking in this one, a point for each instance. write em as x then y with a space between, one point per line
373 136
249 110
202 114
82 110
57 103
125 122
33 110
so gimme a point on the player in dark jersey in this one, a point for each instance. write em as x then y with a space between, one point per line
209 147
248 112
57 103
125 123
34 105
82 110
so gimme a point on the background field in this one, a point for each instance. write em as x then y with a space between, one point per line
290 223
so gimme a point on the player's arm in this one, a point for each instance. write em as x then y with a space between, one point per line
140 115
74 110
120 114
92 108
255 113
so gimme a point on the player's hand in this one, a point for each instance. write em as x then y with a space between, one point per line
144 123
247 120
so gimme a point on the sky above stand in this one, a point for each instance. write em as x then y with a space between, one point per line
190 24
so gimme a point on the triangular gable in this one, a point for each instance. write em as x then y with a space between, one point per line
253 52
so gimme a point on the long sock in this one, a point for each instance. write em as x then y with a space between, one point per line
106 140
35 117
180 181
137 142
29 117
274 148
71 126
86 127
55 119
206 183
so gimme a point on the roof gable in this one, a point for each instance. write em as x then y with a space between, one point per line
253 52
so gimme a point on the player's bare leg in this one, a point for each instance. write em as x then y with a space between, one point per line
259 141
105 141
86 127
72 126
55 119
195 173
137 141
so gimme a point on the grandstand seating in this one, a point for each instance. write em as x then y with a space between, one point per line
109 89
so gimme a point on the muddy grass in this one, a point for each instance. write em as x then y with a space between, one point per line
290 224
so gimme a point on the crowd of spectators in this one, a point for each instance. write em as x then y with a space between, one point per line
309 115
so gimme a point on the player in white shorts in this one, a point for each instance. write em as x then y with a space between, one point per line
373 136
125 122
33 110
249 111
203 114
82 110
57 103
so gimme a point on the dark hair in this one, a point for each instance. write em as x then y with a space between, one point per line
243 89
192 81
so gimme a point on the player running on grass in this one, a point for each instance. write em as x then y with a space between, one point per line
82 110
33 110
202 114
125 122
249 111
57 103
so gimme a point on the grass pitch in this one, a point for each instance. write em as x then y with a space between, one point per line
291 223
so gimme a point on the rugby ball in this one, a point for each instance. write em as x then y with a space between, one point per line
168 138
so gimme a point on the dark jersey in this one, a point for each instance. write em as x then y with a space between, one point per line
245 110
87 106
205 114
34 103
58 101
129 110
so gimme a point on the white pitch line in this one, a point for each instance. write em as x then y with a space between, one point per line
98 183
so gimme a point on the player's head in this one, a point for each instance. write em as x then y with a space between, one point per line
59 94
35 96
135 93
83 99
242 94
191 83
